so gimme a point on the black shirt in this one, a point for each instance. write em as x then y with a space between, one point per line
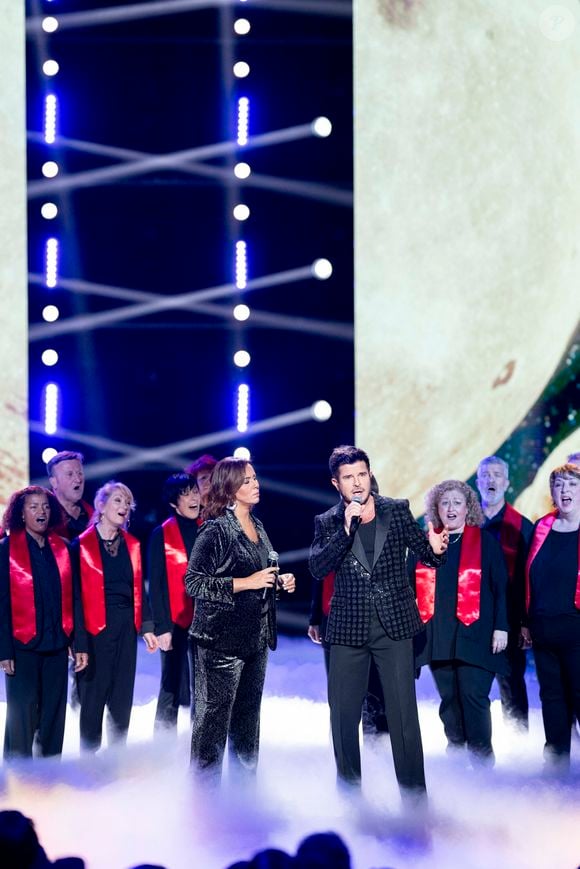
367 533
445 621
553 575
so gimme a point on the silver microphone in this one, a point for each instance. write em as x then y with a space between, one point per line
355 521
272 562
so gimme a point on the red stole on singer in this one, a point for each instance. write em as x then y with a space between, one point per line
180 604
541 531
509 537
22 585
468 580
93 580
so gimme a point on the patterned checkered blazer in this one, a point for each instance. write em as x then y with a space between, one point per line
359 584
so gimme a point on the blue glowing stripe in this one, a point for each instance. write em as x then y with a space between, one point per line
51 402
243 407
50 111
241 265
243 120
51 262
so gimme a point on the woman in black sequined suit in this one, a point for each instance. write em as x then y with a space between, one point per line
234 621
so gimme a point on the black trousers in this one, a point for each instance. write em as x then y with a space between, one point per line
36 703
556 644
177 686
348 681
228 696
109 680
512 688
374 719
464 708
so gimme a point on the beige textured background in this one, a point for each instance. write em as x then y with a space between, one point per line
467 168
13 258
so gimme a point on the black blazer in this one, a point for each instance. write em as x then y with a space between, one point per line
358 584
230 623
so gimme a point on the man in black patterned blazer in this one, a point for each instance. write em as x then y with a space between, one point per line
373 613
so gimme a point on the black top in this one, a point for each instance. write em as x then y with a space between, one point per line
553 576
76 525
158 588
367 533
445 625
47 601
118 575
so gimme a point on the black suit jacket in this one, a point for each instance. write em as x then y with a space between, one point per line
360 585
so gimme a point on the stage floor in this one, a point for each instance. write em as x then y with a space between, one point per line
139 805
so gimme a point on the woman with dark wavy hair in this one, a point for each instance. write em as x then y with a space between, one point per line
37 615
463 605
234 621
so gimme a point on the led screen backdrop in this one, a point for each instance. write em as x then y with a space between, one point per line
467 228
13 283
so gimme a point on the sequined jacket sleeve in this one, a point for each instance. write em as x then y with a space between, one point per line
331 543
209 573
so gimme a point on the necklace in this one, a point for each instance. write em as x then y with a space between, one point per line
111 544
457 537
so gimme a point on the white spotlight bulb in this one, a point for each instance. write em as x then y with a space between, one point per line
50 169
321 411
48 454
49 210
241 26
242 453
241 69
321 127
50 67
322 269
49 357
241 358
50 313
49 24
241 312
242 170
241 212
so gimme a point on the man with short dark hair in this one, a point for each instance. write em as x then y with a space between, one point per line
373 613
67 479
513 532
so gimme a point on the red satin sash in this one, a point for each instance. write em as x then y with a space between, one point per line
327 592
22 586
543 528
509 538
93 580
180 604
468 580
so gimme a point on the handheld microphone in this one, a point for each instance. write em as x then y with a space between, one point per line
355 521
272 562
